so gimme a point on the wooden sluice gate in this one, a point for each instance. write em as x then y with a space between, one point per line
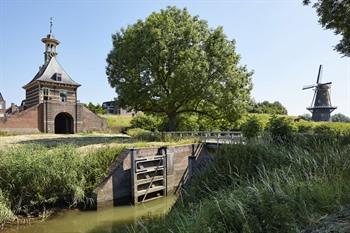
148 176
143 174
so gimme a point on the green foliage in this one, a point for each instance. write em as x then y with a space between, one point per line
173 63
118 123
96 164
34 176
281 129
340 118
95 108
260 188
335 15
147 122
4 133
29 172
5 212
252 128
275 108
339 128
305 117
143 134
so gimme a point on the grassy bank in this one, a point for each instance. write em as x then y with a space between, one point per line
44 172
261 188
117 123
34 177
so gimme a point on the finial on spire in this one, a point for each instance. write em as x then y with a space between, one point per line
50 25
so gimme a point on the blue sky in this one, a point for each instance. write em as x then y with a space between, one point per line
280 40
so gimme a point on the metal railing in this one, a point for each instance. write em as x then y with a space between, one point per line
219 137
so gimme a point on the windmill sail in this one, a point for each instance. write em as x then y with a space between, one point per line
319 74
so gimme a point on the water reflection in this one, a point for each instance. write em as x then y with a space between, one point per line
102 221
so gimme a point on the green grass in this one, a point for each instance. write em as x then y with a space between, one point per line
33 176
4 133
118 121
37 176
261 187
335 127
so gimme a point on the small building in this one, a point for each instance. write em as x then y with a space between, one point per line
112 108
51 104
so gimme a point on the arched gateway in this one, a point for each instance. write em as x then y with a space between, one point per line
64 123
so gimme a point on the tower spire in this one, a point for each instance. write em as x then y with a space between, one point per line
50 44
50 25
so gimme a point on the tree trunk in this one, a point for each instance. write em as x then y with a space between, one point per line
171 126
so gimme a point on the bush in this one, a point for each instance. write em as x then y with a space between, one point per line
324 130
340 118
146 122
281 129
252 128
143 135
305 127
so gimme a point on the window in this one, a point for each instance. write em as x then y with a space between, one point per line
57 77
63 96
46 93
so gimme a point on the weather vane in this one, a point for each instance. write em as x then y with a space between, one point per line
50 25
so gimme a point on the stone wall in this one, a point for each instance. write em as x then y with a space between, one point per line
41 118
90 121
116 187
52 109
22 122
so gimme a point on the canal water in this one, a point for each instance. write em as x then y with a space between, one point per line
106 220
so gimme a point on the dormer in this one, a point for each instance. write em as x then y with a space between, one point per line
57 77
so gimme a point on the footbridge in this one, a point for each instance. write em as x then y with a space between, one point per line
210 138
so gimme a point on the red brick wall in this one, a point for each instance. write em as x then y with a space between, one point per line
42 118
25 121
90 121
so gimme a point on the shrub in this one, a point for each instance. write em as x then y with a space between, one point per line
338 117
324 130
187 122
281 129
143 135
252 128
146 122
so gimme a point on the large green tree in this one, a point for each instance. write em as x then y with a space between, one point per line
173 63
335 15
267 107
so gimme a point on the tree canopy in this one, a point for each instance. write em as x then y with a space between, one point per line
172 63
339 117
275 108
335 15
98 109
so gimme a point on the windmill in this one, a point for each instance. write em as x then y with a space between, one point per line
321 106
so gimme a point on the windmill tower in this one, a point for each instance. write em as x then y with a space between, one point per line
321 106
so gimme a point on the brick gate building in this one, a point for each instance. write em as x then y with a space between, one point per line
51 103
